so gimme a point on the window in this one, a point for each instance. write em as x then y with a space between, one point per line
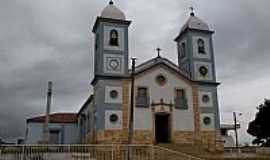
183 49
142 92
114 38
113 94
180 99
142 99
205 98
207 120
113 118
180 92
203 71
97 41
54 136
161 80
201 46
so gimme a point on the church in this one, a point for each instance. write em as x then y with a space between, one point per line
170 103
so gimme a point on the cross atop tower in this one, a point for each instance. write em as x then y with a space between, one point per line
111 2
192 11
158 51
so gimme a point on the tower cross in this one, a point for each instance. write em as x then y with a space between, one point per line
192 11
158 51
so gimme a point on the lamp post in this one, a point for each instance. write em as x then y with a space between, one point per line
130 129
235 128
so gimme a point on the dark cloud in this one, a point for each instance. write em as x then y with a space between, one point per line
52 40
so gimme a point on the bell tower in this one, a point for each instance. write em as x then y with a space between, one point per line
195 50
111 73
196 60
111 43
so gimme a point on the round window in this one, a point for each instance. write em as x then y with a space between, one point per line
207 120
113 94
161 80
113 118
205 98
203 71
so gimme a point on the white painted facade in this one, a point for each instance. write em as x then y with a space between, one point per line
182 120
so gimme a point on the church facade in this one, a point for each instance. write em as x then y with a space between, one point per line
172 103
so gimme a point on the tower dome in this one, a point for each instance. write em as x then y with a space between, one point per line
194 22
112 12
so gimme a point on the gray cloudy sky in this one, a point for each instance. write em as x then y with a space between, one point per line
43 40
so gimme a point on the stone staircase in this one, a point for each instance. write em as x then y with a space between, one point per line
198 151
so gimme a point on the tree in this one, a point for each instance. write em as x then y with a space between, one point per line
259 127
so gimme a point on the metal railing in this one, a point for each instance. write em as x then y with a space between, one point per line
90 152
240 149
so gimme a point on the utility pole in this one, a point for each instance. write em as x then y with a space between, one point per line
235 130
46 132
130 131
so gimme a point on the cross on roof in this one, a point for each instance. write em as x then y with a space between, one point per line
158 51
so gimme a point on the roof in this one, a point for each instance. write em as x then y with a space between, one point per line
89 100
160 60
194 22
55 118
111 11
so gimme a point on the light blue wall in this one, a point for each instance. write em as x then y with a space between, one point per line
99 90
68 132
215 108
87 125
210 85
112 79
99 53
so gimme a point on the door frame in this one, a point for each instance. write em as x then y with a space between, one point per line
169 126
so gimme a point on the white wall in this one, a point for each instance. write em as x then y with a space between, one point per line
182 119
35 132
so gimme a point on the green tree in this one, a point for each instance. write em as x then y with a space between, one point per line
260 127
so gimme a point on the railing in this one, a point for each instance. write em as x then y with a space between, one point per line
90 152
240 149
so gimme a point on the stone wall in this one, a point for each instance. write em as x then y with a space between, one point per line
143 137
195 94
126 104
183 137
115 136
111 137
212 141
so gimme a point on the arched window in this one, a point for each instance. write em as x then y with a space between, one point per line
183 49
114 38
201 46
